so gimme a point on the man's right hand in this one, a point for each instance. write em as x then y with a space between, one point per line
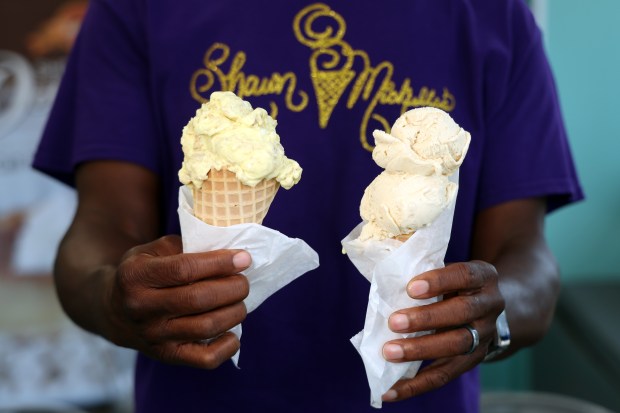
178 307
115 278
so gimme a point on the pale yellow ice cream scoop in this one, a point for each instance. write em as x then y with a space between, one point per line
398 203
423 141
227 133
424 148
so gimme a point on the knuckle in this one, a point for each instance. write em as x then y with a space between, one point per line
168 353
132 252
162 328
168 244
409 352
465 273
132 305
194 299
217 262
215 324
471 307
209 327
152 335
487 271
225 291
222 262
499 304
242 286
464 342
495 302
168 240
408 389
132 271
242 311
211 359
207 298
421 318
180 269
127 268
439 379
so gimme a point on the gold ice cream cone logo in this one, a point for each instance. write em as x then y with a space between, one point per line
331 62
322 30
329 86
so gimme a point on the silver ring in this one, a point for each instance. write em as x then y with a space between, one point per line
475 338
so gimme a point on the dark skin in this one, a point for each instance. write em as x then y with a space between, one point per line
508 240
117 279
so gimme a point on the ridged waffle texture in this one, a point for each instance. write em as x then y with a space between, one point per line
223 200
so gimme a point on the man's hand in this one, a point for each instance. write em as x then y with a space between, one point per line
509 241
470 297
177 307
115 278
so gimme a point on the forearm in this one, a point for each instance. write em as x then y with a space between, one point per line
511 237
84 270
117 210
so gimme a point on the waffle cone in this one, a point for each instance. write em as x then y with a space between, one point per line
403 237
223 200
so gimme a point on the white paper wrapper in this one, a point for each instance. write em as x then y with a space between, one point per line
389 265
276 259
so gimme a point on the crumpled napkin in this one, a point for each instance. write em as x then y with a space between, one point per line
276 259
389 265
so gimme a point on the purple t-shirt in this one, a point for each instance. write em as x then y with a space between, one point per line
330 73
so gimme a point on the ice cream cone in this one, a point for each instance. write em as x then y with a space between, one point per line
223 200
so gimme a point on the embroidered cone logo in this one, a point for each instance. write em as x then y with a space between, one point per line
338 72
329 86
322 29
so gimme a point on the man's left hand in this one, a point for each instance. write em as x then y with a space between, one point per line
471 297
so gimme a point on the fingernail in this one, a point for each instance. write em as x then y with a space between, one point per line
242 260
393 352
417 288
399 322
389 395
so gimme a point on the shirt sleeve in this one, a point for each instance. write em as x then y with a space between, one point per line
103 109
526 150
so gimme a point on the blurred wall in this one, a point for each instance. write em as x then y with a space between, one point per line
583 41
45 360
583 45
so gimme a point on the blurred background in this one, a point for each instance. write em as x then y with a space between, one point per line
46 361
580 357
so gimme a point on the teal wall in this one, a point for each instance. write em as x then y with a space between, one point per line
583 41
583 45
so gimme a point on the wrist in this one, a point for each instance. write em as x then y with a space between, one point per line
501 339
108 322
